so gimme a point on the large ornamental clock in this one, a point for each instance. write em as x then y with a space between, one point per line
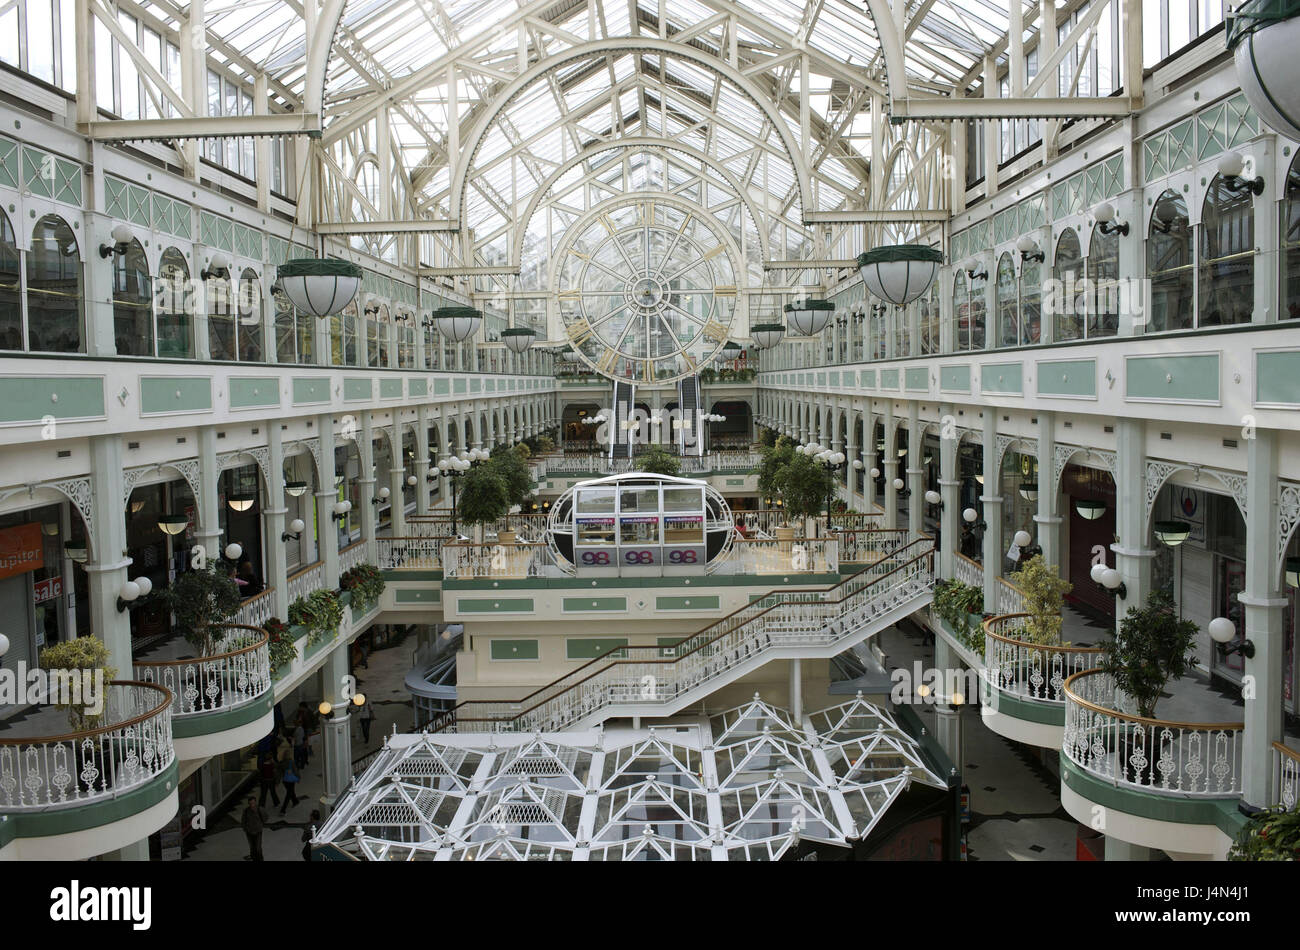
647 288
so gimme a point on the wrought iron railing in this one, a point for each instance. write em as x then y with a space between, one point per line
1026 670
642 675
131 745
310 578
968 571
258 609
236 673
422 554
352 555
1106 738
1286 776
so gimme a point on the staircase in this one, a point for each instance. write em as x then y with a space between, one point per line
620 443
688 404
659 681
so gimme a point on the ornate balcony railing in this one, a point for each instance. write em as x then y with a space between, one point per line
522 559
238 672
412 554
310 578
968 571
132 745
773 556
258 609
1027 670
1286 776
641 675
1010 598
352 555
1106 739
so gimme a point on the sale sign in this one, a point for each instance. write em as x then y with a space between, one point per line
47 589
21 549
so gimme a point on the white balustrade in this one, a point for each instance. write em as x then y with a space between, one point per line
257 610
1150 755
352 555
310 578
526 559
395 554
131 745
968 571
1027 670
1286 776
237 672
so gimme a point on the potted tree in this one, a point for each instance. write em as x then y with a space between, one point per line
1044 592
804 485
658 461
202 600
484 496
1152 647
86 706
518 479
772 460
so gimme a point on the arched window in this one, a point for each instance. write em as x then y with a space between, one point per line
175 336
971 325
1008 303
1067 269
1169 265
11 305
132 302
221 318
432 347
1227 259
928 306
406 341
1031 308
960 310
377 335
349 331
1103 276
249 304
54 293
293 332
1291 243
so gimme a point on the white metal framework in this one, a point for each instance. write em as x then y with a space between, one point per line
746 784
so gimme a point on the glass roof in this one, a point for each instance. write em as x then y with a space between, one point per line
745 785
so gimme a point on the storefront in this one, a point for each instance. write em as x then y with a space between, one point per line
1089 510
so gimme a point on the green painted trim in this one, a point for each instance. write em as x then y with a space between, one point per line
355 389
310 389
1076 378
419 595
417 387
254 392
220 720
31 398
1026 710
588 648
459 386
504 605
441 387
310 651
578 604
765 581
1184 811
889 379
695 602
917 379
1003 379
954 378
513 649
402 574
80 816
1193 378
165 394
390 389
868 377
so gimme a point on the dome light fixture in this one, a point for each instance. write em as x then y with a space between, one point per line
808 317
518 339
1293 571
295 489
899 273
320 286
457 323
1172 533
767 335
1089 508
172 524
77 552
296 528
1029 491
241 501
1263 36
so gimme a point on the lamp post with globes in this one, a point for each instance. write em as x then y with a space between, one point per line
454 468
832 462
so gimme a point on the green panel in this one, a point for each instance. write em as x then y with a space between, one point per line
417 595
889 379
418 387
917 378
210 723
475 385
594 603
835 379
1003 378
247 392
82 817
492 385
32 398
583 648
1191 811
1277 377
175 394
710 602
354 388
10 167
1067 377
513 649
821 379
954 379
466 605
441 387
308 389
1194 378
390 388
459 384
735 481
868 378
1009 704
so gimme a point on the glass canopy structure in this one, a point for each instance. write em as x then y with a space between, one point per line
743 785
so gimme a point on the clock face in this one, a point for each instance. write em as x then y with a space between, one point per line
647 289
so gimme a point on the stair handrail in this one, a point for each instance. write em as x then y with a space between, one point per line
756 608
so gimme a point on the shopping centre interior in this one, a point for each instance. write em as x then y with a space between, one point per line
670 430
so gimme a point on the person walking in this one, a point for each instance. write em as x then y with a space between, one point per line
300 743
289 777
367 719
253 821
268 779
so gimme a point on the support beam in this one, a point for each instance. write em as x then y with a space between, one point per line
468 271
416 226
1036 107
239 126
868 216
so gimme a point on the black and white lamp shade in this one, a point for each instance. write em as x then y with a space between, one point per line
318 285
899 273
457 323
766 335
1264 36
808 317
518 339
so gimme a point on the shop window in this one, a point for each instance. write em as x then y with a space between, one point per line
55 321
1227 259
1170 264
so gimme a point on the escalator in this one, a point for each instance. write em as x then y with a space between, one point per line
688 402
620 441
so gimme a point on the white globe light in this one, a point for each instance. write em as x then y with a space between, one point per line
1097 571
898 484
384 492
875 473
4 644
1222 630
857 465
1022 539
411 480
1104 212
145 585
899 273
1111 579
969 515
297 526
933 497
233 550
129 590
1027 244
